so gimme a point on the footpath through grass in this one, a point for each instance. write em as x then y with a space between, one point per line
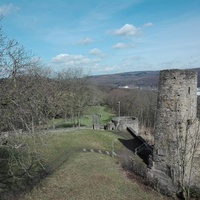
85 175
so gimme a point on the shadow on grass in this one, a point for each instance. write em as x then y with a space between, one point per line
132 144
64 126
27 184
68 126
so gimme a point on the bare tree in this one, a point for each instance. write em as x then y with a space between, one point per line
178 148
26 96
185 157
134 102
76 93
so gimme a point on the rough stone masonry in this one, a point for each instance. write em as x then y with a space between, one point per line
176 132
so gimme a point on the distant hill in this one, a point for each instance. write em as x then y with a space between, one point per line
137 79
134 79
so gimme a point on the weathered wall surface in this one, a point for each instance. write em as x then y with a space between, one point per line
176 123
121 123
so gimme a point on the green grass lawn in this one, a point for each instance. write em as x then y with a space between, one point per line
78 175
90 176
56 144
104 112
85 175
87 119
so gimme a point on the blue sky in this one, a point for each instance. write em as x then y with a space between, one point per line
107 36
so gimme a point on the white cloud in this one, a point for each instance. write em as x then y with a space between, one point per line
149 24
123 46
85 41
62 61
95 51
127 30
8 9
110 69
94 66
70 60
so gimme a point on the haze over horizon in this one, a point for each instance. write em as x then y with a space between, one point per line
106 37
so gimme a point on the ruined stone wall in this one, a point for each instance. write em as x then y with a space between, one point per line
121 123
176 117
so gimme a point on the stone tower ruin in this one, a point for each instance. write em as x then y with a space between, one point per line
176 124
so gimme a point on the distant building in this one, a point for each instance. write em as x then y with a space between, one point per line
124 87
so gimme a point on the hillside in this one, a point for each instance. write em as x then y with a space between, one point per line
140 78
135 79
78 174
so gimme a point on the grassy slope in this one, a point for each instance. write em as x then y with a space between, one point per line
85 175
87 119
89 176
73 141
102 111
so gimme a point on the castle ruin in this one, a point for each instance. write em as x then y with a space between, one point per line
176 135
121 123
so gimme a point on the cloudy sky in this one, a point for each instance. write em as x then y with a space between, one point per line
107 36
